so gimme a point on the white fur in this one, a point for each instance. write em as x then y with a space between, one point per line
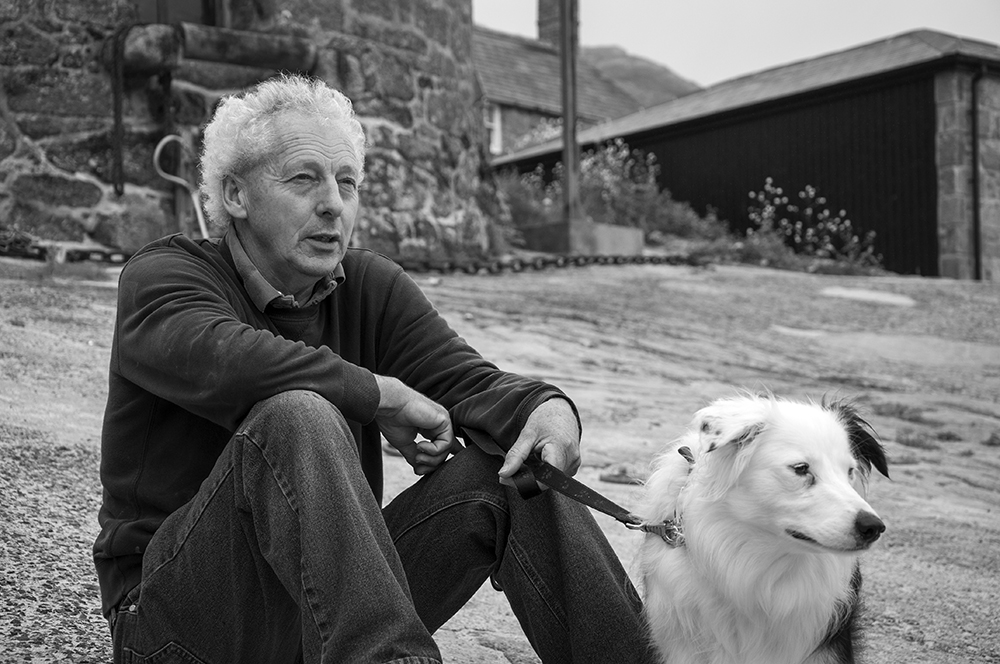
742 589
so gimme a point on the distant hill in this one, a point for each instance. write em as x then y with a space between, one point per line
648 82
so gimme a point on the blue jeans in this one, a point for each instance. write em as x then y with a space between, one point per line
284 555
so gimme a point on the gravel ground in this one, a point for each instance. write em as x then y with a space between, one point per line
639 348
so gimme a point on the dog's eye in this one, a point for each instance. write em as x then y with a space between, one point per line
801 469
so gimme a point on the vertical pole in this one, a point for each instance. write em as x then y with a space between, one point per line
579 237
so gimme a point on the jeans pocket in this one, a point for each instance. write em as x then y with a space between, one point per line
172 653
130 642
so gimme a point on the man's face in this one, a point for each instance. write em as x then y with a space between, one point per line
295 213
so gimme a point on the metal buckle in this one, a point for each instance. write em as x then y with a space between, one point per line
669 531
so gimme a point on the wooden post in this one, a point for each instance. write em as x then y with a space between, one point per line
251 49
157 48
581 236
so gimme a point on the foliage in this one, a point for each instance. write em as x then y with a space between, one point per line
545 130
809 228
618 186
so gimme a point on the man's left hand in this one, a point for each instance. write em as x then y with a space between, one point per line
552 432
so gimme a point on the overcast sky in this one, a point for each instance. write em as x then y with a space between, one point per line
708 41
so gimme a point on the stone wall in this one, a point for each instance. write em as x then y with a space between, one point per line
406 65
956 229
989 176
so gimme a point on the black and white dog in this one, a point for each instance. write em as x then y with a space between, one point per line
768 497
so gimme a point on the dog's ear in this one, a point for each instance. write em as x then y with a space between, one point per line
737 428
726 432
718 435
865 445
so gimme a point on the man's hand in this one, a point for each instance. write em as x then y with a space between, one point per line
403 414
551 431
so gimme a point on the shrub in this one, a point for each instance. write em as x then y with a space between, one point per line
809 228
618 186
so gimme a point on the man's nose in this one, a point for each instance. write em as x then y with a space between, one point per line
330 203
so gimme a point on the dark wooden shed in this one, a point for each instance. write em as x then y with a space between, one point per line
887 131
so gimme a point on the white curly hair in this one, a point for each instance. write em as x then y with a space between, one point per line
243 132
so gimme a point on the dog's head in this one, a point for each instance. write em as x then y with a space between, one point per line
797 470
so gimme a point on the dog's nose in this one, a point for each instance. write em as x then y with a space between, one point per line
868 527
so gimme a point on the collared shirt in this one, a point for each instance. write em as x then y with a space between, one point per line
262 293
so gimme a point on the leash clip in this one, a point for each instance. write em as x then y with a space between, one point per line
669 531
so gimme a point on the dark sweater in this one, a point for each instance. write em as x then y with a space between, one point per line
192 354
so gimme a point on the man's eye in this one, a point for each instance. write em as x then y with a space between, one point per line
303 177
349 183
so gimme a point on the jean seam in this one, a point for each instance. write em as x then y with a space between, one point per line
177 550
520 556
458 500
292 504
537 580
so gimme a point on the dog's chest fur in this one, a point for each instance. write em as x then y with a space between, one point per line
693 624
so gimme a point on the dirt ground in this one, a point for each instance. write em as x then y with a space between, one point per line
639 348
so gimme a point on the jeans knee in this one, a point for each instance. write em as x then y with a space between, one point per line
299 415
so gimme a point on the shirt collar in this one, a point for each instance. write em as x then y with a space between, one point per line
261 292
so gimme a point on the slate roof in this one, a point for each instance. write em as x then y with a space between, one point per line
894 53
523 72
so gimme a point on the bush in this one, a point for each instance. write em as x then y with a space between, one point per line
809 228
618 186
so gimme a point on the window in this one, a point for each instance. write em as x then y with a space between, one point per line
491 120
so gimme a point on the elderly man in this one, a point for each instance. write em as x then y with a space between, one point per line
251 381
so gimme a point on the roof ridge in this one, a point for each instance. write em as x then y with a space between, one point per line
907 49
920 34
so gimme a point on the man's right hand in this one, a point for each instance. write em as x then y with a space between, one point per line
403 414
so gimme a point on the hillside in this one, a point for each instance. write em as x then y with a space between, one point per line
646 81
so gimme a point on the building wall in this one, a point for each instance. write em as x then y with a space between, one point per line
868 151
956 171
407 67
989 176
989 164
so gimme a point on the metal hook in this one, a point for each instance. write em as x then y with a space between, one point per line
193 192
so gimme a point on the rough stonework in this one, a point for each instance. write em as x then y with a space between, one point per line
957 192
407 67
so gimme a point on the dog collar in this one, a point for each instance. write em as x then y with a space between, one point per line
669 531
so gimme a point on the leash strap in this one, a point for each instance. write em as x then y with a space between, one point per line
534 471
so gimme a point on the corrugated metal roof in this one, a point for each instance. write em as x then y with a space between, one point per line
522 72
900 51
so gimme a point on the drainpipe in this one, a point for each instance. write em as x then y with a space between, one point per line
977 249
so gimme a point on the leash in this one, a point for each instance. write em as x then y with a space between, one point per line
535 472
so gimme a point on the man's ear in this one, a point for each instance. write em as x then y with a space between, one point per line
234 197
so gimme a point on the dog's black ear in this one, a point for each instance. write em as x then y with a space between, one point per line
865 445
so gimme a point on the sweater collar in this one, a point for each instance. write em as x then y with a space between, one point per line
261 292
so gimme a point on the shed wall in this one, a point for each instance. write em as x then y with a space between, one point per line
870 152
